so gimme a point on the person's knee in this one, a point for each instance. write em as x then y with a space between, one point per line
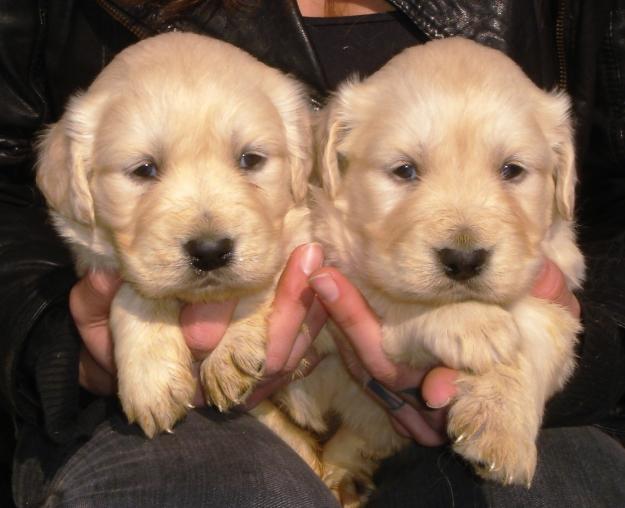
576 467
208 461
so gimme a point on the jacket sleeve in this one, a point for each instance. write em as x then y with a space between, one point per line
39 344
596 392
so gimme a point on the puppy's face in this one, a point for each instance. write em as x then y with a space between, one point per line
452 166
194 153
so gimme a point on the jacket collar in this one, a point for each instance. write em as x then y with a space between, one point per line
273 30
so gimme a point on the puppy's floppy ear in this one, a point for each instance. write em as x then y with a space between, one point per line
559 131
292 104
63 164
334 124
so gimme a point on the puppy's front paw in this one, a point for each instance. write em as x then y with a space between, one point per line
495 429
156 392
470 335
229 374
481 343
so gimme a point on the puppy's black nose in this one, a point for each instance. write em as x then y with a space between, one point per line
462 264
208 254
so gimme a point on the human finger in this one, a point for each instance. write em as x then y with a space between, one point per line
360 326
439 387
412 422
291 304
92 377
90 305
302 359
268 386
315 319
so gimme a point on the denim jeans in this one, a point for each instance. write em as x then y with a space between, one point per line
578 467
210 460
221 461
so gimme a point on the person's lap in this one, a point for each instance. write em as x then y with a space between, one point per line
213 460
579 467
210 460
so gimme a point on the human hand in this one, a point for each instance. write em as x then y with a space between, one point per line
90 305
424 417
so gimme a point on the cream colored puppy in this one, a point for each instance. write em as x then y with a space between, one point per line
185 167
448 176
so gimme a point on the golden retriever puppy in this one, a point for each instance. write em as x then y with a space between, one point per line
448 176
184 166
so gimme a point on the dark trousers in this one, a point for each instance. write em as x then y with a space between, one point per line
217 461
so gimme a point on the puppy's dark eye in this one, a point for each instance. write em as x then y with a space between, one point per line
146 171
251 160
406 172
511 171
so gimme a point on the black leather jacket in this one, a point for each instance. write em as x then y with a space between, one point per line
48 50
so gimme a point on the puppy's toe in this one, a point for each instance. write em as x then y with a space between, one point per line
506 460
229 378
495 341
156 403
496 434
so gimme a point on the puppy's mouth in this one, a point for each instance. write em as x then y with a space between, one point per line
219 284
203 280
201 286
472 289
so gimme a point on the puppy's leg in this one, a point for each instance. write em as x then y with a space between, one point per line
469 336
494 422
497 415
232 370
347 471
153 362
364 437
298 439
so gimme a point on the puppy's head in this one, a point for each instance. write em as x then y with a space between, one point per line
185 155
450 167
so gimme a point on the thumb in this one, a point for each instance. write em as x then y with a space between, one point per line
90 299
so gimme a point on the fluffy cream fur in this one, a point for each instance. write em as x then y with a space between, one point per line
458 113
192 106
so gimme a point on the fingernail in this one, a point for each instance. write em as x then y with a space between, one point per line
440 405
312 258
325 287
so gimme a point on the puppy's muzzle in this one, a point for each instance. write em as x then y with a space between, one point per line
462 264
207 253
